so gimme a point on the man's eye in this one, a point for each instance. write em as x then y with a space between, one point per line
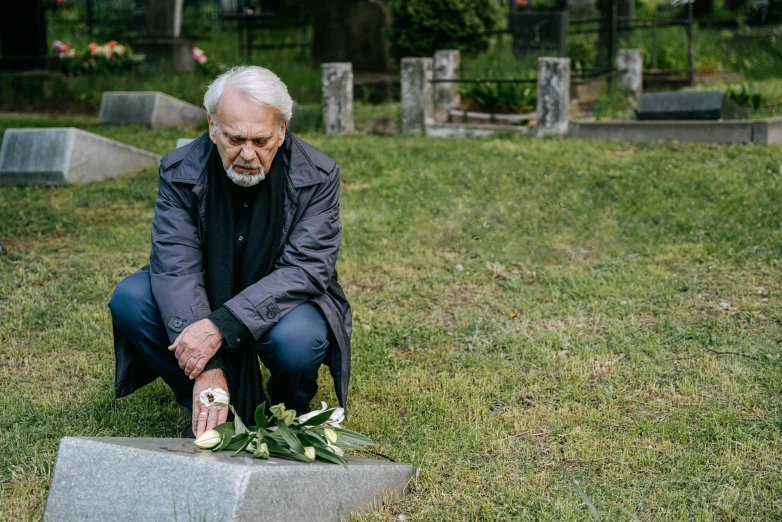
236 141
261 143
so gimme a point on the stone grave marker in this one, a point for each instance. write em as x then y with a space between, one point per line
149 108
337 87
66 155
705 105
553 96
136 479
366 24
539 32
181 142
417 94
162 41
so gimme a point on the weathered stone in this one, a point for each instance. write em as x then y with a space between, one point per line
417 96
161 41
150 108
66 155
446 67
553 96
181 142
581 8
169 479
337 87
630 63
697 105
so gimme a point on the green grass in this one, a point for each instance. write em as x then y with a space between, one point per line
527 313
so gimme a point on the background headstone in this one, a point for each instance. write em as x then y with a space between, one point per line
553 96
417 96
66 155
23 44
337 87
446 67
181 142
705 105
161 41
539 32
149 108
170 479
630 63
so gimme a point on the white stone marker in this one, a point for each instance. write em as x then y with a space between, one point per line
553 96
66 155
417 94
337 86
149 108
446 67
107 478
181 142
630 63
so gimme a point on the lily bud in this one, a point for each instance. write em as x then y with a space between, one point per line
288 417
309 452
331 434
336 450
262 451
208 439
278 410
214 397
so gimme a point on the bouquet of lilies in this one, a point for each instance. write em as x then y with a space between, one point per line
314 436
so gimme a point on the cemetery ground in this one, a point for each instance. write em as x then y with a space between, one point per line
531 318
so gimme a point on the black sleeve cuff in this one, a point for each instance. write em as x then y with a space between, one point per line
232 328
215 362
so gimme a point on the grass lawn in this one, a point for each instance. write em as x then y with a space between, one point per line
528 313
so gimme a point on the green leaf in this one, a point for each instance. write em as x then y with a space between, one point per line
290 455
313 438
324 454
238 441
238 424
353 438
244 446
226 429
592 509
318 419
224 443
260 416
290 439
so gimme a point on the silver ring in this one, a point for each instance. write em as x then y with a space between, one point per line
203 413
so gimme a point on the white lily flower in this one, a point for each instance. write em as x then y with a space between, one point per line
309 452
214 397
208 439
337 416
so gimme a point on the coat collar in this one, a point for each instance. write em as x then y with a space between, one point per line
307 166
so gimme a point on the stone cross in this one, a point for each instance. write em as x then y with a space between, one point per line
337 85
630 63
417 96
553 96
446 95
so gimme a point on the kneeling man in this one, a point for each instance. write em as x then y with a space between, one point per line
244 245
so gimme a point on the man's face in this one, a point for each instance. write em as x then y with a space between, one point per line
247 136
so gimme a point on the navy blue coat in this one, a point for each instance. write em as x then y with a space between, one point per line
304 270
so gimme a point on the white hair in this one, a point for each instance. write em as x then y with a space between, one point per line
257 84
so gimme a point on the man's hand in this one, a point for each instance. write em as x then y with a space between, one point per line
207 418
196 345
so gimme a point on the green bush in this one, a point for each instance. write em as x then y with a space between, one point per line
421 27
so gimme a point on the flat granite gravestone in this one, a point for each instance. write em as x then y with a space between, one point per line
149 108
55 156
705 105
107 478
181 142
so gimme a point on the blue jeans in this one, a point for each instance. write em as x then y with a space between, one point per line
292 350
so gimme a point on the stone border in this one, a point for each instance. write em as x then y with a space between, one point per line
764 132
474 130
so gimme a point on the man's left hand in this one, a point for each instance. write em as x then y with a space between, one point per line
196 345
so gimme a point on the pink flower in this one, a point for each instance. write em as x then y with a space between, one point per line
199 56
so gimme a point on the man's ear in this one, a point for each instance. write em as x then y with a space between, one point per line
211 127
283 128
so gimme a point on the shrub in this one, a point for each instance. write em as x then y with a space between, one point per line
421 27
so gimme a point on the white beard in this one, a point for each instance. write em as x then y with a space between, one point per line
246 180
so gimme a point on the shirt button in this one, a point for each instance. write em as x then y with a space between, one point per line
238 339
241 238
245 205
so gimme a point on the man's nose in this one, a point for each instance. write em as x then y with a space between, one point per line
248 151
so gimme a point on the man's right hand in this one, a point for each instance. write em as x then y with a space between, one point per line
205 418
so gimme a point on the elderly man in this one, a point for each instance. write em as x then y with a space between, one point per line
244 246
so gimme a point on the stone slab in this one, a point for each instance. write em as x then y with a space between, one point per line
136 479
53 156
148 108
725 132
475 130
695 105
768 131
181 142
